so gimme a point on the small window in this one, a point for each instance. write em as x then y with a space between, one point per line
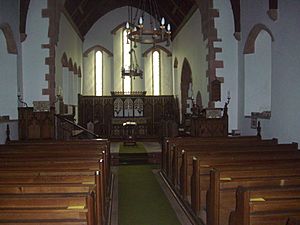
99 73
126 62
156 72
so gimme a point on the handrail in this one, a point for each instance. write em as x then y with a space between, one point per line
76 125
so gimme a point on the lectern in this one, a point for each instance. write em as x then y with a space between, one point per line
129 133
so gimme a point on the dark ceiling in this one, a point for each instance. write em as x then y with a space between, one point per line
86 12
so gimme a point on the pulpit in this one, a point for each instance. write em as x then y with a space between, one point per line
129 133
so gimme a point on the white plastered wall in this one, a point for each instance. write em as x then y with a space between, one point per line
69 43
258 76
10 69
33 55
8 84
285 104
89 74
189 44
225 26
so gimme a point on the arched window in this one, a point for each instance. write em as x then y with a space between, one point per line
156 72
99 73
126 62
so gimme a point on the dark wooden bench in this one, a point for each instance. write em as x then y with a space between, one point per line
175 150
201 177
209 158
57 163
170 143
223 184
48 202
63 167
60 151
182 166
267 205
293 221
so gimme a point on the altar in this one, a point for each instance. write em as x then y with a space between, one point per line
129 133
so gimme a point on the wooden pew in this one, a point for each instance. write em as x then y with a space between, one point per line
176 149
169 143
101 144
57 167
201 181
293 221
223 183
60 151
267 205
182 168
260 159
44 159
55 217
46 202
228 157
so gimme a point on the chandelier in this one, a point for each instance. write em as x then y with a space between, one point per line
134 69
155 32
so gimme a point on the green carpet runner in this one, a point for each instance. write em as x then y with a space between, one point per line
138 148
141 200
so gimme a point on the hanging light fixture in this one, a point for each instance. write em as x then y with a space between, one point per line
156 32
134 69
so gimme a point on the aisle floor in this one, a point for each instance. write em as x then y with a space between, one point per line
150 147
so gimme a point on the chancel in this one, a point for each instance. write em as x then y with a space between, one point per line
132 112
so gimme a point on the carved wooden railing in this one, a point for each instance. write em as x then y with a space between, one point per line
66 129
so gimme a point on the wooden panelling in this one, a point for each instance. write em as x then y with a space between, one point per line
36 125
100 110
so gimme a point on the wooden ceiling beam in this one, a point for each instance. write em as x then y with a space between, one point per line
178 8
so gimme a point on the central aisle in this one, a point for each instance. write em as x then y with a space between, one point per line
141 200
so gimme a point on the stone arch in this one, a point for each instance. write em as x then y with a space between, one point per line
96 48
157 48
250 42
175 63
64 60
186 79
120 26
75 68
199 100
79 71
10 40
24 6
236 11
70 64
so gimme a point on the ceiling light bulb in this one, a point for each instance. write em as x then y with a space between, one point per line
168 27
140 21
127 25
163 21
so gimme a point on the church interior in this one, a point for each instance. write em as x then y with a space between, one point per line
142 112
